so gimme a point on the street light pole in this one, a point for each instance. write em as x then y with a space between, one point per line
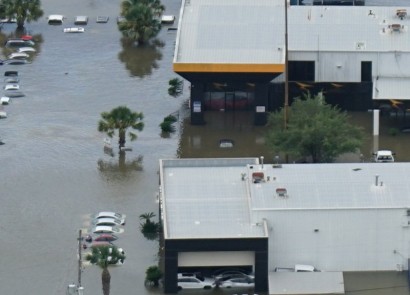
79 258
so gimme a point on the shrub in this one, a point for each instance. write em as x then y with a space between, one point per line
167 126
170 118
393 131
153 275
175 88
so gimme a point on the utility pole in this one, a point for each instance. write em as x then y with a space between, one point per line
286 103
80 262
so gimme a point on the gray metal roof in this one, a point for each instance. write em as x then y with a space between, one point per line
211 198
241 31
347 29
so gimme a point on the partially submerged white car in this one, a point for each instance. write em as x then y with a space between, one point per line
108 214
107 230
384 156
11 87
106 221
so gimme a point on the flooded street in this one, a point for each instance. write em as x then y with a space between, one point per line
54 172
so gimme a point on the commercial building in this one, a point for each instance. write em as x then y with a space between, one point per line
234 55
242 212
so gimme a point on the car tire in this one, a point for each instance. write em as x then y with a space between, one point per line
179 288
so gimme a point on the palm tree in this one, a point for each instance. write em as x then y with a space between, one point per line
149 229
103 256
142 19
147 216
121 118
23 11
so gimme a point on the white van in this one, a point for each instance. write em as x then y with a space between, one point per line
384 156
55 19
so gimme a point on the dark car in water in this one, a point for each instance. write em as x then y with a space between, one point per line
105 238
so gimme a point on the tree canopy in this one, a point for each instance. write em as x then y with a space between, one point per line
314 130
142 19
22 10
120 119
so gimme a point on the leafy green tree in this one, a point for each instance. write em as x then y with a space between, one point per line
22 10
142 19
103 256
120 119
314 129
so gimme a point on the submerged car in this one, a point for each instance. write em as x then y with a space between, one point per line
26 49
15 43
105 237
110 214
107 221
11 87
384 156
102 229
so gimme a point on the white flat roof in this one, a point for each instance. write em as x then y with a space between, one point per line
205 198
212 198
332 186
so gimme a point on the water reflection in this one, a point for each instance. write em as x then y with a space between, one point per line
249 140
121 169
140 60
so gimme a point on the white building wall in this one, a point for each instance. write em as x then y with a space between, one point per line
345 240
393 64
346 66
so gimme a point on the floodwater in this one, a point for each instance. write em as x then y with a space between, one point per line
53 170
